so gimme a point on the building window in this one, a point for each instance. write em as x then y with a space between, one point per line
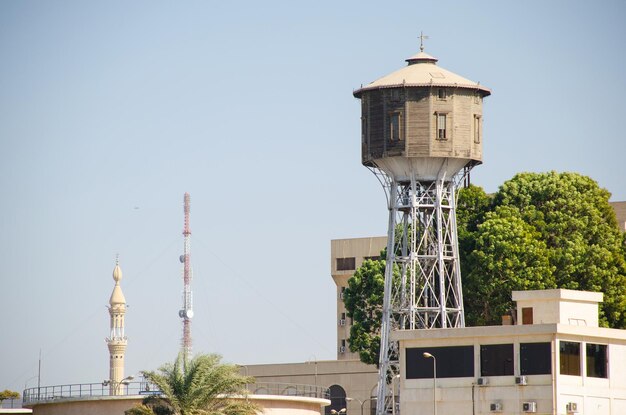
569 358
496 360
442 94
477 129
452 362
527 315
372 258
597 363
395 133
346 264
441 126
342 293
535 358
394 94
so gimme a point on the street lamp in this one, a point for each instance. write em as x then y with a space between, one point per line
115 386
314 361
393 393
428 355
360 401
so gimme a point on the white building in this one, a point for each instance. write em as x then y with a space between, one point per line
555 360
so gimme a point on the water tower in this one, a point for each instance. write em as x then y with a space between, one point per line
421 134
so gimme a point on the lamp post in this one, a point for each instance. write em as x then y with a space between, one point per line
428 355
314 361
116 385
393 393
360 401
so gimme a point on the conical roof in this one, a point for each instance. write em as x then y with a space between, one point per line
117 296
422 71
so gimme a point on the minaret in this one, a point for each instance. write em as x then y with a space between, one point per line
117 340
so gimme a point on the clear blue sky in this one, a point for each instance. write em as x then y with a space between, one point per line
110 111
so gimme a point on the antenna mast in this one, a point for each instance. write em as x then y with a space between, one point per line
186 313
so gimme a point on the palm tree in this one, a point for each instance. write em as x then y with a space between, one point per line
200 386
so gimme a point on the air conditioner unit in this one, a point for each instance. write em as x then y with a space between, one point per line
341 295
342 322
495 407
342 349
521 380
571 408
482 381
529 407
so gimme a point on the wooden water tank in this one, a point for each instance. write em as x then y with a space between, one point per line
421 120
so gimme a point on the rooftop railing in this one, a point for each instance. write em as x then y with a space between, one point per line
86 390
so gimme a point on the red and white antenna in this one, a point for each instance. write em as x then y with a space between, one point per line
186 313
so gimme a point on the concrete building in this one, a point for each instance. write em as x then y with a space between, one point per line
346 256
555 360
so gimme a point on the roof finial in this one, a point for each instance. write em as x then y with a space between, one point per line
422 38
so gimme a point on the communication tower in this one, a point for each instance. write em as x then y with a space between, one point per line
421 133
186 312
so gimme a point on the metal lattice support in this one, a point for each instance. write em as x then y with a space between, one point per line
422 273
186 312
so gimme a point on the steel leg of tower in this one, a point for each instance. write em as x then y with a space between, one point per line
422 273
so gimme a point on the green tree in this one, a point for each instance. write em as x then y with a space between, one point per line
572 216
200 386
8 394
507 256
363 299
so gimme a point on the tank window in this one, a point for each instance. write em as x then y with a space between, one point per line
364 129
394 127
441 126
477 129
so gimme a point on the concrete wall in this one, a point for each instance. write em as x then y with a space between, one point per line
116 405
358 379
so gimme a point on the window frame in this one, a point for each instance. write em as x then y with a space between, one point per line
346 264
394 119
567 361
477 129
438 116
588 366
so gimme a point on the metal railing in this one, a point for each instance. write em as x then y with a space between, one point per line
289 389
85 390
82 390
